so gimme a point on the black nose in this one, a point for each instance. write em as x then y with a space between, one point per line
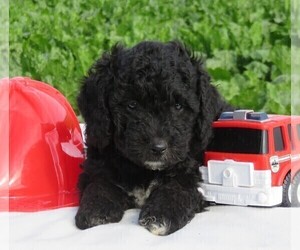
159 146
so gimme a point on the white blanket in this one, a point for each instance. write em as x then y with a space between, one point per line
222 227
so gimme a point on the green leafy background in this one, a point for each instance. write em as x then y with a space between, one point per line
246 44
4 44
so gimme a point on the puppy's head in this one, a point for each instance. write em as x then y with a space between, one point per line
154 103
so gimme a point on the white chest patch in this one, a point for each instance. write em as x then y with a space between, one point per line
141 194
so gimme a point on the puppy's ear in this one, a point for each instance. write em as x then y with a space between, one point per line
211 105
93 100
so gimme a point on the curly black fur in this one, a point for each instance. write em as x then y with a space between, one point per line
148 111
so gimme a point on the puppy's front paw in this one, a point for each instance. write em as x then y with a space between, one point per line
97 214
157 226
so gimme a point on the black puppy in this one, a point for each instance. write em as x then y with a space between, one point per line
148 111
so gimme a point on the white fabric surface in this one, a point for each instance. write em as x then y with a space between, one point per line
222 227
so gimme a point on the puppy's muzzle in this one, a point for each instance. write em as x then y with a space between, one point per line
158 146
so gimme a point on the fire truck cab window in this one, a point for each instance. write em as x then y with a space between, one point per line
298 131
278 139
239 140
290 136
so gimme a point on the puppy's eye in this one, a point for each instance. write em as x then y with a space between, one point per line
132 105
178 106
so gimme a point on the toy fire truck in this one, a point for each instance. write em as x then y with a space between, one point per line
253 160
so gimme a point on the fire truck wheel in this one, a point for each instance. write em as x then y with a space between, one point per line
286 191
296 190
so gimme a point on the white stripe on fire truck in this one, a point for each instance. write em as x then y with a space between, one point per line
296 157
284 158
289 157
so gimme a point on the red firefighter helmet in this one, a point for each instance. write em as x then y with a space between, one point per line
41 147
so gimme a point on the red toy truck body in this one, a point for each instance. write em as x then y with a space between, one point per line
254 159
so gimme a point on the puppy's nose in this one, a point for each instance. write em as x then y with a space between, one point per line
158 146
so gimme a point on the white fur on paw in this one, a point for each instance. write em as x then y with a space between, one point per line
158 228
98 221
